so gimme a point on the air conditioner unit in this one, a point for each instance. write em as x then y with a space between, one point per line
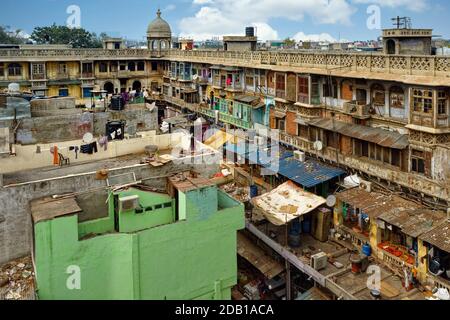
319 261
259 141
128 203
366 185
300 156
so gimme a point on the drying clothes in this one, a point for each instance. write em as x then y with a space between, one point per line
54 151
103 142
76 149
90 148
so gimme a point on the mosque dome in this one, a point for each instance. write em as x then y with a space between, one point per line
159 28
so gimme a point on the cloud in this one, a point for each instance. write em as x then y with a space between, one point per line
230 17
322 37
203 2
170 7
414 5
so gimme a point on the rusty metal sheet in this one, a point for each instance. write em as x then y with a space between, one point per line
374 204
378 136
413 222
439 236
48 209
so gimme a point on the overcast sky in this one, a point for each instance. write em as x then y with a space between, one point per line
274 19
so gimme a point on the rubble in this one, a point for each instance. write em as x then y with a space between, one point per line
17 280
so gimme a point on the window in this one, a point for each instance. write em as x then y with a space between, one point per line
281 124
365 149
154 66
442 103
14 70
63 68
87 67
141 66
113 67
280 82
418 161
123 66
303 89
103 67
378 95
330 89
37 68
2 70
422 101
302 131
131 66
332 139
397 98
395 157
250 81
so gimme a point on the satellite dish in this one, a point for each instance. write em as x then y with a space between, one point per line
195 77
88 138
318 145
331 201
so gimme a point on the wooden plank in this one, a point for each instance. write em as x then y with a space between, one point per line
48 209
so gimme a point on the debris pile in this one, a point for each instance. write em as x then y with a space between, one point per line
17 280
241 194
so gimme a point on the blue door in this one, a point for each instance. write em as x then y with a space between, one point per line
87 92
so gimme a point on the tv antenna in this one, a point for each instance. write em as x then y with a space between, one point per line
402 22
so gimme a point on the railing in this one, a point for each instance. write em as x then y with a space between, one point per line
395 264
439 283
373 62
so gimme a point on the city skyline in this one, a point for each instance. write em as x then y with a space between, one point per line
324 20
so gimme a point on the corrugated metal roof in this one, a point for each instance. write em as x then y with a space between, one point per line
439 236
309 173
374 204
413 222
378 136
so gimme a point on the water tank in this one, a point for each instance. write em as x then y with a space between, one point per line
250 31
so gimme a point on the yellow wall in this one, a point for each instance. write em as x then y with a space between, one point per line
73 69
423 264
74 90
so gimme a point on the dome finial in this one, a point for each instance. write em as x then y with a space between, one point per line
158 13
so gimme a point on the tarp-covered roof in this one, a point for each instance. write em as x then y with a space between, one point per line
286 203
378 136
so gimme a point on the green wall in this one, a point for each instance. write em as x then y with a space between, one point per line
191 259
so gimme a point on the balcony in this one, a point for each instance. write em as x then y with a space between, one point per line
38 76
87 75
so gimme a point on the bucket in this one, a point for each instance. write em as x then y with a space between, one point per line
253 191
294 240
306 226
367 249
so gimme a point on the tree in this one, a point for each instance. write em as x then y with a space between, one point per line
76 37
10 37
289 43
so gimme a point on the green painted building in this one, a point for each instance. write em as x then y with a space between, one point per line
151 246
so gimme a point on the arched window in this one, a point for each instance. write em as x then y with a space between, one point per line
131 66
14 70
163 45
154 45
141 66
378 95
397 97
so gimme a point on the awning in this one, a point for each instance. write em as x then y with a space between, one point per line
265 263
286 203
378 136
49 209
439 236
413 222
374 204
279 115
309 173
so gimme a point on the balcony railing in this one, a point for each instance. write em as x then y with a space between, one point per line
364 62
